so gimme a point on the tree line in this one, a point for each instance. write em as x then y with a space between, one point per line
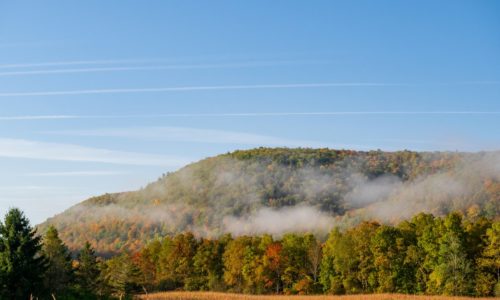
450 255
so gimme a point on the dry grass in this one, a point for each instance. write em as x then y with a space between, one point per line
225 296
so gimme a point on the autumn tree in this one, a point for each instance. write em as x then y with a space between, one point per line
148 262
234 262
274 265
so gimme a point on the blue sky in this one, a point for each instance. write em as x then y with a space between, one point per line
105 96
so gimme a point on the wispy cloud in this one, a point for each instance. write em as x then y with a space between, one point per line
247 114
217 88
31 188
196 88
40 117
184 134
77 173
17 148
78 63
137 68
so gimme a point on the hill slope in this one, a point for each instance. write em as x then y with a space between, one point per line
279 190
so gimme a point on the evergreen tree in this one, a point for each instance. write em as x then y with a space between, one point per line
22 265
59 274
87 271
122 276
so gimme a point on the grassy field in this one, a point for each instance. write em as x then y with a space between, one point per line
224 296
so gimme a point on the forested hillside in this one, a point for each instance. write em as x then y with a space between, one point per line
281 190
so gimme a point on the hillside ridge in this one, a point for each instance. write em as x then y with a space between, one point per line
277 190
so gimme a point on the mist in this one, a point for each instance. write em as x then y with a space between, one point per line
241 197
279 221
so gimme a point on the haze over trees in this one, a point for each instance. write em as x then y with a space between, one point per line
308 190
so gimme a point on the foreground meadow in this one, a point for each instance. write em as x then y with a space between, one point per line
226 296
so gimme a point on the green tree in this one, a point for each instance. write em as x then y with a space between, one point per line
122 275
424 255
488 275
452 275
87 271
253 268
330 277
59 274
365 270
164 272
389 251
295 256
208 266
313 262
22 264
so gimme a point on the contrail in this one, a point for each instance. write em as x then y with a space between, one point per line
333 113
197 88
39 117
256 114
146 68
77 173
79 62
20 148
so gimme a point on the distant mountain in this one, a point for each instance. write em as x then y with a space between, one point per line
276 190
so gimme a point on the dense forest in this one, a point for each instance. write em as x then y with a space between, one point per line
450 255
308 190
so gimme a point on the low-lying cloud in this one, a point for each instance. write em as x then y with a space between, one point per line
280 221
367 191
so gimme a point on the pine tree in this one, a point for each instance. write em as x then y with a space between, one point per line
22 265
59 274
122 275
87 272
